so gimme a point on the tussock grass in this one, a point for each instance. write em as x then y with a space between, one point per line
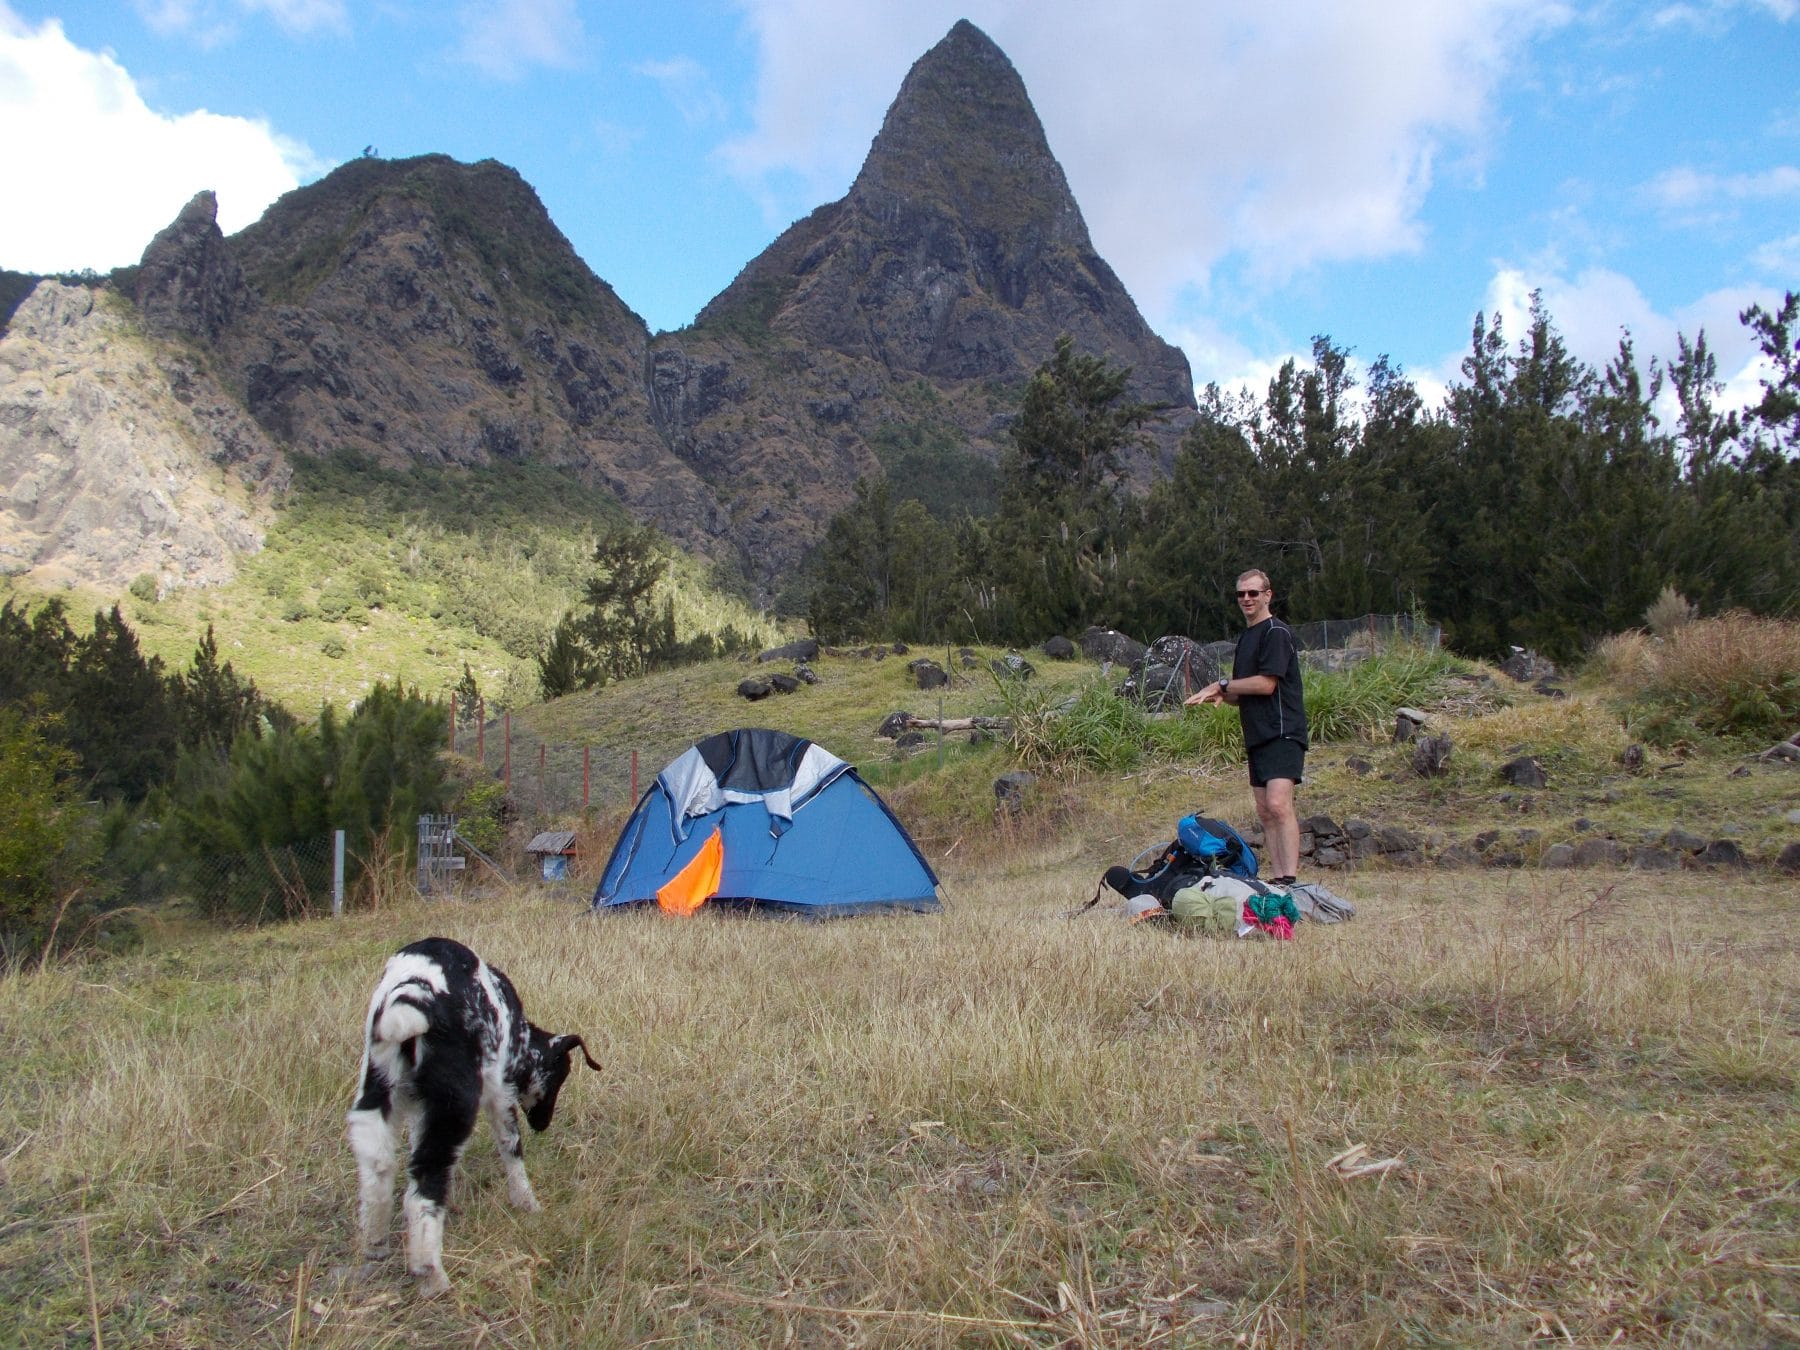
992 1127
1736 674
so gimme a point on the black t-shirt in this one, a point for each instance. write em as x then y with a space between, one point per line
1268 648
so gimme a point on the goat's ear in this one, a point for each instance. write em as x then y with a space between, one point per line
564 1045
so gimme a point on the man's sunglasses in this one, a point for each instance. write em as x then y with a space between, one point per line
1250 595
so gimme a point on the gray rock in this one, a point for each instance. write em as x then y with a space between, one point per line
1357 829
1647 858
1012 666
1525 771
893 724
1359 766
1407 722
1329 857
1599 853
1431 756
1458 855
802 649
754 690
783 684
1106 644
1012 789
1059 648
1789 858
1683 841
929 674
1558 856
1723 853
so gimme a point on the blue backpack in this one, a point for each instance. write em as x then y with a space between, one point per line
1221 848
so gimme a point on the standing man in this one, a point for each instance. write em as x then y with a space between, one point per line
1264 686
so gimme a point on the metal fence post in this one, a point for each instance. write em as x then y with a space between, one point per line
337 873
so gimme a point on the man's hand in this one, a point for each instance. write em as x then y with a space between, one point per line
1213 693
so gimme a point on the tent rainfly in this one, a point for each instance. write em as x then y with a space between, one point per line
761 818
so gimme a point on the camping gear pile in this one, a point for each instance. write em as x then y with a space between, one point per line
1203 881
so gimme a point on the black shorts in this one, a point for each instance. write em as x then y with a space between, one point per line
1277 759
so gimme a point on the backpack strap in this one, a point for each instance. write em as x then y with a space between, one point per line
1079 910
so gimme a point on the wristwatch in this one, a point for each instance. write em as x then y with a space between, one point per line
1224 682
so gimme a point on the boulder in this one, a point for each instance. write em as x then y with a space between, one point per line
893 724
1012 666
1649 858
1525 771
802 649
1012 789
1599 853
1407 722
754 689
1059 648
783 684
1527 666
1105 644
1723 853
1559 856
928 674
1789 858
1431 756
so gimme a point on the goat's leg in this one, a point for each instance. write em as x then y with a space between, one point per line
438 1138
372 1141
507 1138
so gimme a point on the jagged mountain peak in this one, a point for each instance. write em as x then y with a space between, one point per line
959 252
962 132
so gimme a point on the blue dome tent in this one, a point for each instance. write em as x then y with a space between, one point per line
762 818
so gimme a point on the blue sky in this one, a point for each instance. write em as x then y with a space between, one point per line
1377 171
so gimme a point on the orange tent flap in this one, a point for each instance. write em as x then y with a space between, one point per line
691 887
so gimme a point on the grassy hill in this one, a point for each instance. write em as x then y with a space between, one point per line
370 573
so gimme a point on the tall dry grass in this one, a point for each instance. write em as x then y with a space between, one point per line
992 1127
1736 674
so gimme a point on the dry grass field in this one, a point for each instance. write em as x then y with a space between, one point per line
993 1127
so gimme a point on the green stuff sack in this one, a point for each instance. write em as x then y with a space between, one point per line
1194 911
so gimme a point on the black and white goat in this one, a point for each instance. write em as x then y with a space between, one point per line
446 1038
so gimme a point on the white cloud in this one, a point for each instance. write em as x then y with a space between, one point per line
1779 257
1300 134
688 87
1687 189
212 22
1594 307
137 167
506 38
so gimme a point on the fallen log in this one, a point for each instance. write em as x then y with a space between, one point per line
999 724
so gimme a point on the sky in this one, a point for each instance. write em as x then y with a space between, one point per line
1258 172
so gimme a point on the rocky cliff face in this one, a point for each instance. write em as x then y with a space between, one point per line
118 456
428 313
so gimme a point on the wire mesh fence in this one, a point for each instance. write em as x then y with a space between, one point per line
1369 633
273 882
549 779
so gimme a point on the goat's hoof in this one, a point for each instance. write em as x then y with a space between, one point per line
433 1283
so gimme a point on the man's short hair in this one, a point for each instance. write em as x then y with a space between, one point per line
1259 574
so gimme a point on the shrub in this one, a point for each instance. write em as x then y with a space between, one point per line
42 839
1736 675
1669 611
